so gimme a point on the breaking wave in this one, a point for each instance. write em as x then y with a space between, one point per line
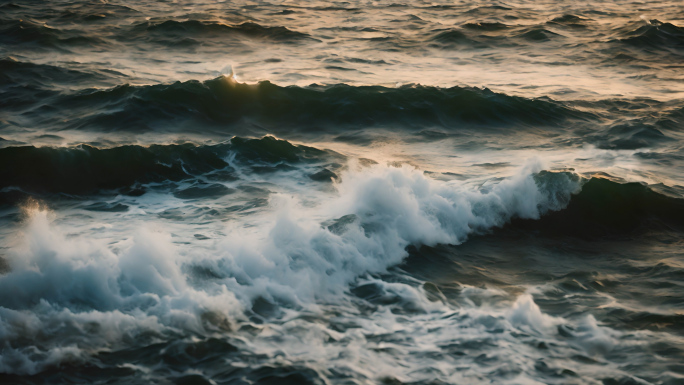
148 288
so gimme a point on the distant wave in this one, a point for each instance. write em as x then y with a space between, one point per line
177 34
454 37
173 29
14 72
656 35
485 35
486 26
630 136
28 32
223 103
538 34
568 20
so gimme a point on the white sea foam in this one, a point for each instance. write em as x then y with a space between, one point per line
73 296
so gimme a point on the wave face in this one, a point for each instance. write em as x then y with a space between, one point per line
27 32
88 170
226 106
657 35
605 208
197 29
341 193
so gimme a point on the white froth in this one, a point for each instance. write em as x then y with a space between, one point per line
75 296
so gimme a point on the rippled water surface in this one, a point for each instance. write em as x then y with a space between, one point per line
307 192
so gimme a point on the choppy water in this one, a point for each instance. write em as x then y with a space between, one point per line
341 192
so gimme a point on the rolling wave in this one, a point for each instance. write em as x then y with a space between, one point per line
222 103
602 207
28 32
88 170
14 73
607 208
174 32
656 35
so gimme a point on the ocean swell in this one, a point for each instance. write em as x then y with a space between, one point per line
607 208
87 170
225 105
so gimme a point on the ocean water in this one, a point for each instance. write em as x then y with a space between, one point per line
350 192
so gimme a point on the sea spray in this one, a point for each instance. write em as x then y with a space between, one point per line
143 286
